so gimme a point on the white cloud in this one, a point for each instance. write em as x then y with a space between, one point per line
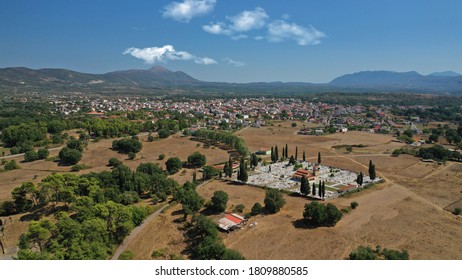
277 30
165 53
234 62
281 30
243 22
248 20
218 28
186 10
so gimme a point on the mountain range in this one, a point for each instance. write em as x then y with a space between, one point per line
161 80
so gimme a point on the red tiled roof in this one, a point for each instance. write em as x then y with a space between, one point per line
233 219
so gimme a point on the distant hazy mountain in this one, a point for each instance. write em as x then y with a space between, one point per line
161 80
445 74
400 81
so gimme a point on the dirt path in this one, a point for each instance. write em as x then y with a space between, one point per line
136 231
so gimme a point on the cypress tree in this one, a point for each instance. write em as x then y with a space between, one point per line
304 156
296 152
319 157
272 154
314 189
242 171
371 170
319 188
283 152
276 154
194 176
226 169
230 167
304 186
323 189
287 152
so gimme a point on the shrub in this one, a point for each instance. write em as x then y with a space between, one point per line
256 209
163 133
43 153
274 201
78 167
11 165
114 162
70 156
317 214
219 201
457 211
161 156
150 138
354 204
127 145
31 156
127 255
197 160
239 208
131 155
210 172
173 165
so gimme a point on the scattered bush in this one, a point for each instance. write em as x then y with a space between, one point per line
239 208
256 209
43 153
274 201
367 253
173 165
114 162
354 204
30 156
70 156
196 160
127 255
78 167
219 201
317 214
127 145
11 165
161 156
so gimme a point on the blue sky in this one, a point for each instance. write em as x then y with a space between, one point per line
234 40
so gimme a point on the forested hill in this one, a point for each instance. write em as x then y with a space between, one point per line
159 80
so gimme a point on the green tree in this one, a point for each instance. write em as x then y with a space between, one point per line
317 214
219 201
304 186
292 160
114 162
196 160
173 165
210 172
274 201
127 145
43 153
30 156
243 176
70 156
256 209
372 174
11 165
253 160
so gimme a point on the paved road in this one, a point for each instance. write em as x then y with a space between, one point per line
136 231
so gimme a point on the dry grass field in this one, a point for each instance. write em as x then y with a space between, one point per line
96 156
410 211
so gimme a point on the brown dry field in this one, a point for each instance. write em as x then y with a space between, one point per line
97 155
405 212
